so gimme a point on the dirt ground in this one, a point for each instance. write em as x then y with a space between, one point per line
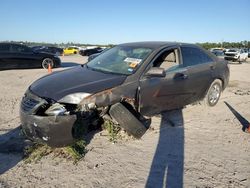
206 148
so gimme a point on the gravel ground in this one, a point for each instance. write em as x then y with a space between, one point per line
205 148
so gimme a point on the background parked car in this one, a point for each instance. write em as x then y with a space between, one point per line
247 51
70 50
89 52
48 49
96 54
93 56
219 53
216 49
21 56
236 55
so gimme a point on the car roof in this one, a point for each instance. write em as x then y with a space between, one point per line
154 44
11 43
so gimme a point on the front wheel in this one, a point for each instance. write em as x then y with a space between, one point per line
46 62
127 120
214 93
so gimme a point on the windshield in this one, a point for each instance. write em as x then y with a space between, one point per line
120 60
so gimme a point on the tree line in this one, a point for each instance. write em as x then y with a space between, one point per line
206 45
60 45
241 44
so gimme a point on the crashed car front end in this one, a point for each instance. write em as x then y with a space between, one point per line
58 108
54 123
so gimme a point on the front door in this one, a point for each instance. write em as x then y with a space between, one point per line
157 94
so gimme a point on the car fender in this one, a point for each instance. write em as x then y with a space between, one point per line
124 92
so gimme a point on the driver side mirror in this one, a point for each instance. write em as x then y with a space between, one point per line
156 72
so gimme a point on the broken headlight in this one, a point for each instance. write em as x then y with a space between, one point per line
55 110
74 98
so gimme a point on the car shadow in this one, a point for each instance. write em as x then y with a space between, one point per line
244 122
12 145
168 162
69 64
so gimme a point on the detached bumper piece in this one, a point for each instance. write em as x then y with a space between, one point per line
56 131
127 120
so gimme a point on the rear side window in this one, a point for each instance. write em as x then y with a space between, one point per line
4 47
193 56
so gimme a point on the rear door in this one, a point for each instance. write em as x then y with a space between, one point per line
25 57
200 67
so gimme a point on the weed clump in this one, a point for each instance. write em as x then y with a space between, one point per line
112 129
74 152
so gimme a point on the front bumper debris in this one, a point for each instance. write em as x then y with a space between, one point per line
53 130
56 131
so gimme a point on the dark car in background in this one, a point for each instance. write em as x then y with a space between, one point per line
93 56
48 49
219 53
127 84
88 52
14 56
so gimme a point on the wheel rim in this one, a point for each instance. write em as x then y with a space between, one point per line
214 94
46 62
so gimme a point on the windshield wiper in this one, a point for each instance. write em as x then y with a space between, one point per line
105 71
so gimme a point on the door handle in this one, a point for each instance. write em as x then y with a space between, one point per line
180 76
212 67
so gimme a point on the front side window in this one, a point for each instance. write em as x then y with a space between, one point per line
193 56
120 60
168 60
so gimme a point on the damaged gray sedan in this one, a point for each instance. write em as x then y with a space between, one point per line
127 84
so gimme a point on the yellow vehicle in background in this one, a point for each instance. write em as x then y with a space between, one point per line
70 50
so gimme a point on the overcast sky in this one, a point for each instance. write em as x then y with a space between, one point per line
117 21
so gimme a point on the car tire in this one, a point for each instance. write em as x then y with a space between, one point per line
127 120
240 62
214 92
75 52
46 62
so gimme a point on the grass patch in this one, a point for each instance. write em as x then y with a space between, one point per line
74 152
35 152
112 130
77 150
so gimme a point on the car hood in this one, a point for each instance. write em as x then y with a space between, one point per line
79 79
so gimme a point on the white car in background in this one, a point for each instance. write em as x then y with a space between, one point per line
236 55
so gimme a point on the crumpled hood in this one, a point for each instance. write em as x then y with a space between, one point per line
79 79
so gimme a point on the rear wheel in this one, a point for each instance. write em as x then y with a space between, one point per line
46 62
214 93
